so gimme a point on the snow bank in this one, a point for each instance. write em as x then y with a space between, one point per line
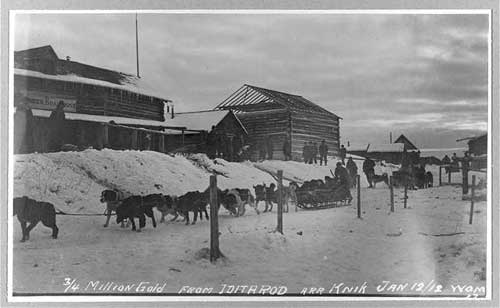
231 175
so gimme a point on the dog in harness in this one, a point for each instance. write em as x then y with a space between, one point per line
113 199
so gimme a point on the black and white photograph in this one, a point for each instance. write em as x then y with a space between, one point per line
268 155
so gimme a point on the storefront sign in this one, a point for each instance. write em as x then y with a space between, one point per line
48 101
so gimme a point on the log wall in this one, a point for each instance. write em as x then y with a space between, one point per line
314 127
260 124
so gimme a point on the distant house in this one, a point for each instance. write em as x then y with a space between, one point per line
221 127
282 116
478 145
408 145
389 152
478 149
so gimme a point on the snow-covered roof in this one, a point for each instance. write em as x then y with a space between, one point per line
130 83
101 119
199 120
388 147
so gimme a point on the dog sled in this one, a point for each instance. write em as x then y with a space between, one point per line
323 198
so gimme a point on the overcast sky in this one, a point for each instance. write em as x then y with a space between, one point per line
422 75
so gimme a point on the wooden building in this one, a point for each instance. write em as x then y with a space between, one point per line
478 150
218 133
103 108
277 115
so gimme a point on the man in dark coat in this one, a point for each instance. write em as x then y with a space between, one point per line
269 146
212 144
369 170
323 153
344 182
57 123
353 170
314 158
343 153
286 149
262 150
23 129
446 161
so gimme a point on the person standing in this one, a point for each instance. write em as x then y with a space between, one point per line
323 153
57 121
286 149
262 150
344 181
369 170
315 152
304 153
353 170
23 129
269 146
446 161
343 153
212 144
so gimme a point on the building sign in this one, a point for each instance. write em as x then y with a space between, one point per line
49 101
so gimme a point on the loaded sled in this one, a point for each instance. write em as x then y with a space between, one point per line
322 198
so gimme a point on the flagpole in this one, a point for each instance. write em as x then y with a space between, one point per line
137 44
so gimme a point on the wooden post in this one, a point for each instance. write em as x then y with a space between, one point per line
472 199
465 179
449 176
358 187
406 193
214 222
391 189
280 202
182 137
440 168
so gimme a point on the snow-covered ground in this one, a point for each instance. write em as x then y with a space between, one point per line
318 248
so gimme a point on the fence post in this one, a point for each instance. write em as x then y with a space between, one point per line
359 194
406 193
465 179
391 189
214 222
280 202
449 176
472 199
440 168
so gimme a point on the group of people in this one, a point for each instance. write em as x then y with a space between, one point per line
311 150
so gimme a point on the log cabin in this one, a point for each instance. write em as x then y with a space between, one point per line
103 108
282 116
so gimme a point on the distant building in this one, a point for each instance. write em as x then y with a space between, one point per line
103 108
389 152
408 145
478 149
282 116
